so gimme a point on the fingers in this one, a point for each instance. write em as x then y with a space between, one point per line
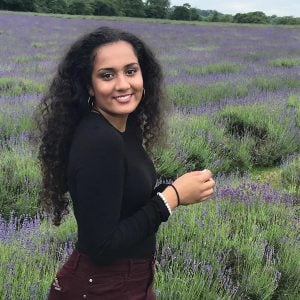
210 183
205 175
207 189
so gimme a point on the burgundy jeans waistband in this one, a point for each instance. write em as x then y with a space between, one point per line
82 262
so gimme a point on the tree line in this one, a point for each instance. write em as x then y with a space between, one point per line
160 9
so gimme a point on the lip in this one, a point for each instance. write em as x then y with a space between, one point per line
123 98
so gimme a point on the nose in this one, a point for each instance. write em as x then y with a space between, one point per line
122 82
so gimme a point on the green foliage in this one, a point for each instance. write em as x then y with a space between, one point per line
198 143
294 102
57 6
79 7
15 121
288 20
290 175
19 181
189 95
18 5
285 62
230 249
139 8
194 15
43 44
268 136
167 164
180 13
133 8
157 8
30 258
226 249
275 83
252 17
17 86
217 68
27 58
105 8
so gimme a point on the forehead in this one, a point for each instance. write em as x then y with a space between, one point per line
115 54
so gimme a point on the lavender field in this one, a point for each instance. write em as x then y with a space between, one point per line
234 94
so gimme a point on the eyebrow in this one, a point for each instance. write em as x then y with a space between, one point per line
111 69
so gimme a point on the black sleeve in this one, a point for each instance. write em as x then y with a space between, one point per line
99 181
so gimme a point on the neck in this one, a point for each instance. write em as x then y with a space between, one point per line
119 122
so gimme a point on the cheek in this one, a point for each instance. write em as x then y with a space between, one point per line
140 82
103 89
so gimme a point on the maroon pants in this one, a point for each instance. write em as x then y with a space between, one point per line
126 279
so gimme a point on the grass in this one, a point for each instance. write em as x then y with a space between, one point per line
232 246
217 68
189 95
20 181
17 86
285 62
210 48
29 58
267 133
294 102
275 83
43 44
28 257
181 94
16 120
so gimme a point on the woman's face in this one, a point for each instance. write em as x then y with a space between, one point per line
117 82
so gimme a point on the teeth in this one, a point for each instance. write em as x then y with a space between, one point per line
123 98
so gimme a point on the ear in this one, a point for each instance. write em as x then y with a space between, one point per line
91 91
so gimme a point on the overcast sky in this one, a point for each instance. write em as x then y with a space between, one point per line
269 7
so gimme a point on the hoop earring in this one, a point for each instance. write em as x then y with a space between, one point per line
90 102
143 94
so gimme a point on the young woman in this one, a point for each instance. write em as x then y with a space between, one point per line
100 119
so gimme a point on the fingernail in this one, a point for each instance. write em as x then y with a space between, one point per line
204 170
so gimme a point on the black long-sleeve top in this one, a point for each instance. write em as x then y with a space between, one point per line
111 181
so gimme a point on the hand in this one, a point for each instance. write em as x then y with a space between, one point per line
192 187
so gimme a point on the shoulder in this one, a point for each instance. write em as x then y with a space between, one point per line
93 132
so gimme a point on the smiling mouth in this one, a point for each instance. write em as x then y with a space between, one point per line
123 98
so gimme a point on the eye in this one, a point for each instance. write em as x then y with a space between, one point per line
107 75
131 71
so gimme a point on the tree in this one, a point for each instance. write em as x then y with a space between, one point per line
288 20
157 8
252 17
180 13
57 6
187 5
215 17
226 18
133 8
194 14
18 5
79 7
105 8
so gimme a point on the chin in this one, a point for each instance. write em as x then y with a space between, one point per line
127 109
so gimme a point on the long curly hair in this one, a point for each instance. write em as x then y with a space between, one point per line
66 103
